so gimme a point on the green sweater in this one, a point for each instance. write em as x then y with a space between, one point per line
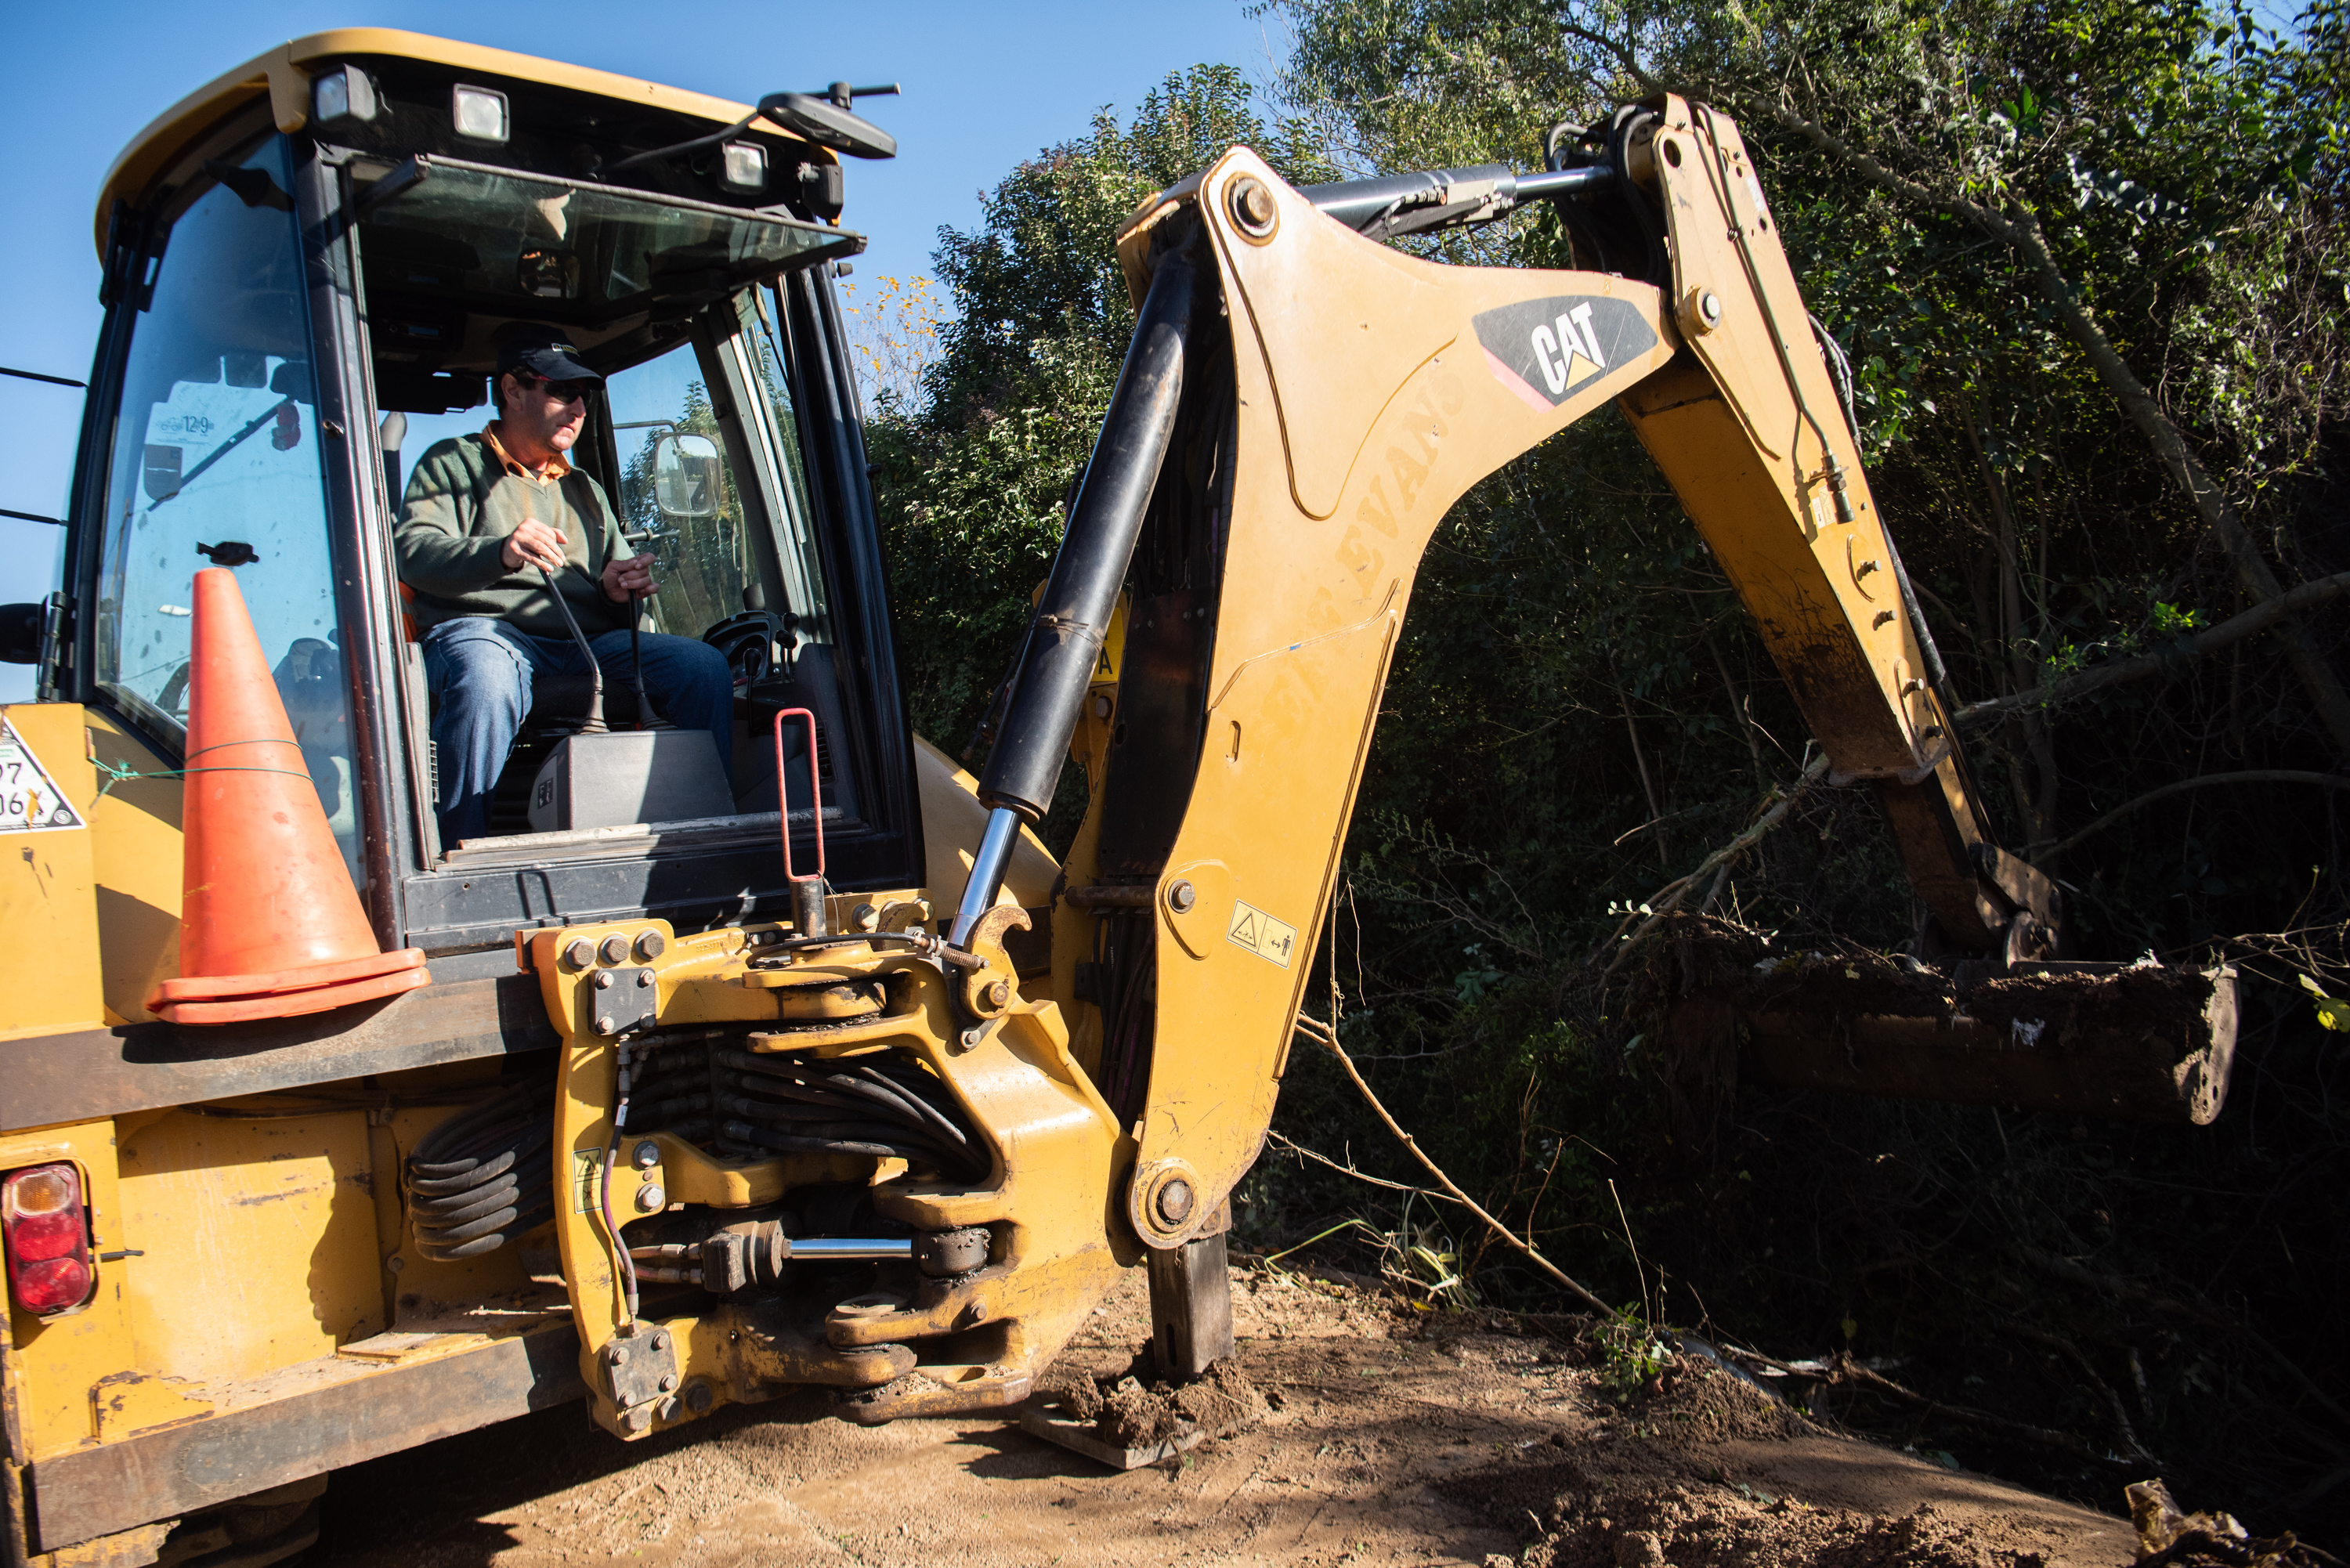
462 502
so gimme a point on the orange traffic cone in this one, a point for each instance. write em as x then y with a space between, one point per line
270 925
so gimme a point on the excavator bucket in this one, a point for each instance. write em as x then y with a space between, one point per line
2139 1042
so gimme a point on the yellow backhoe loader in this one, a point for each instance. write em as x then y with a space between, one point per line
851 1084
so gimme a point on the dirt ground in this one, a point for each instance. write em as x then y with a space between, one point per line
1360 1431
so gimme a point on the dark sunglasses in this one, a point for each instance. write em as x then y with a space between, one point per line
562 391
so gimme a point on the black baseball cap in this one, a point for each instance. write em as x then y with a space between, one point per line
543 352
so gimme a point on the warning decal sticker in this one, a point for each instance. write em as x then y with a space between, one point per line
30 801
1548 350
1263 935
586 1170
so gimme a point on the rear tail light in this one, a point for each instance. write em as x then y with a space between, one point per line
47 1234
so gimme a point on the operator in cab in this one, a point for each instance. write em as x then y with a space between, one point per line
488 518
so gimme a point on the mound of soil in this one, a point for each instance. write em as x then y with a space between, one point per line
1671 1479
1135 1407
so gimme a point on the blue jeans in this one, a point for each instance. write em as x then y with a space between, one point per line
479 671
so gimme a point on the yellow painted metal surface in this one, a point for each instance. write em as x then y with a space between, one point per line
1754 440
57 1369
1097 718
1746 457
419 1286
49 904
283 75
1368 403
267 1226
1049 1197
137 852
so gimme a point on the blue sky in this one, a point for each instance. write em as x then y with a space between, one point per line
985 86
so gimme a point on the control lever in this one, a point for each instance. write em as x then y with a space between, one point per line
594 724
636 663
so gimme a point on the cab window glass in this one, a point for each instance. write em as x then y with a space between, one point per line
680 500
803 574
216 461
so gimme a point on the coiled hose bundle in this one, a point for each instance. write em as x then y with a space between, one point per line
880 1105
484 1177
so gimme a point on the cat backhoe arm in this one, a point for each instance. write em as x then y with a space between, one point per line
1300 407
1330 398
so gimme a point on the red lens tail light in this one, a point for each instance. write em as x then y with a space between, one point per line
46 1229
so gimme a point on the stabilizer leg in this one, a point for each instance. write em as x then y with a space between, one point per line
1190 1306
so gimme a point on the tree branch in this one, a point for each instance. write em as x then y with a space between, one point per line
2023 234
1622 52
1671 894
1315 1029
2112 672
2257 776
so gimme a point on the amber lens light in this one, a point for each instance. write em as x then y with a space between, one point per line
47 1190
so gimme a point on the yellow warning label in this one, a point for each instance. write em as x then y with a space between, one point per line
586 1170
1263 935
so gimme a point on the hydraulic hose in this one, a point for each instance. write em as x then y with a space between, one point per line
482 1177
874 1106
1395 205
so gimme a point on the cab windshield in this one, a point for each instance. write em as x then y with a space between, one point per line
578 255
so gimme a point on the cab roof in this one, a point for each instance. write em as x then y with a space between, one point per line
282 76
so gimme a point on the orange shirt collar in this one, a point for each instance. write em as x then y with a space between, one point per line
556 467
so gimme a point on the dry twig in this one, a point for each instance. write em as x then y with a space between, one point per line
2114 672
1669 898
1313 1028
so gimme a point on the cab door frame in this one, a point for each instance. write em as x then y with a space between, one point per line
418 899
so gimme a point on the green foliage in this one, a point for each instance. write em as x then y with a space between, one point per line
1579 711
1568 722
1632 1350
973 479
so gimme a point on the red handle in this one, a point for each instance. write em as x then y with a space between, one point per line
783 795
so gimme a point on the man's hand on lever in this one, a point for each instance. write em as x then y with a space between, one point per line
533 543
630 577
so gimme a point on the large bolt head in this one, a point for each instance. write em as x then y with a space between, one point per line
651 1197
999 993
651 945
581 953
1182 896
1175 1200
1253 206
645 1155
616 948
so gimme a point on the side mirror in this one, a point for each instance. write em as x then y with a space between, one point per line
828 123
687 476
20 633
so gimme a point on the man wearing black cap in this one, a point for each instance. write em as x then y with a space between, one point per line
483 515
